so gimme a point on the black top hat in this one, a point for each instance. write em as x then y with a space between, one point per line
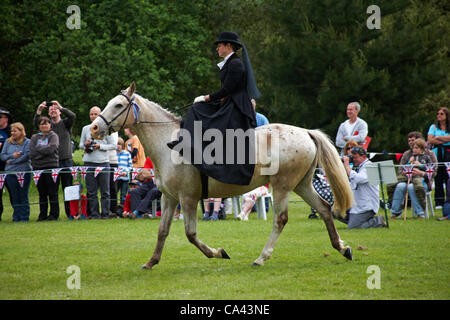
228 36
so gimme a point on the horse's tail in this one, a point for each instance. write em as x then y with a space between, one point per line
328 159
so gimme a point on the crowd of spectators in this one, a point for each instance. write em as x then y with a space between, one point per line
111 164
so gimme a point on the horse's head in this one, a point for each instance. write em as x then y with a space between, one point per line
117 114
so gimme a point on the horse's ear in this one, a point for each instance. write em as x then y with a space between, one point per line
131 89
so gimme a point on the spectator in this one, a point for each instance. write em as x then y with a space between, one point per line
16 156
412 136
134 184
439 137
260 118
419 183
44 156
125 166
446 206
352 129
216 208
78 208
5 131
366 195
63 128
113 163
96 157
249 200
142 197
135 148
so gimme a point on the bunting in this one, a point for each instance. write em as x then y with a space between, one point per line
36 176
135 172
117 173
2 180
430 170
408 170
83 171
447 165
55 173
20 178
97 171
74 171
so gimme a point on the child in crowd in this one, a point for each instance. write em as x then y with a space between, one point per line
419 159
78 208
134 184
125 165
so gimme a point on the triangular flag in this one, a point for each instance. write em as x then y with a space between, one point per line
74 171
55 173
135 172
97 171
2 179
20 178
398 156
83 171
430 170
117 173
407 170
37 175
447 165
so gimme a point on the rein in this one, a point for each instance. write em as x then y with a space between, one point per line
136 114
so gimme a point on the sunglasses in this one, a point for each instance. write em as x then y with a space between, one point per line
441 113
359 150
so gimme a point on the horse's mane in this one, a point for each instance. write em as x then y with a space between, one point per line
169 114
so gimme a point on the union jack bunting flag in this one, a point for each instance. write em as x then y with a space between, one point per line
55 173
407 170
2 180
430 170
135 172
20 178
36 176
74 171
83 171
117 173
447 166
97 171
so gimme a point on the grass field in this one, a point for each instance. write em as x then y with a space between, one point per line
413 259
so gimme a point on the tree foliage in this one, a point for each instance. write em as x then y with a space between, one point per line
310 58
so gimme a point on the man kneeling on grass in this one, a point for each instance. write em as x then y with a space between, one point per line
367 196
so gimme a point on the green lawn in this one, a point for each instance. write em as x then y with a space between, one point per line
412 256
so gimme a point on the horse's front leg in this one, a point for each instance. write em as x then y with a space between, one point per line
189 208
168 205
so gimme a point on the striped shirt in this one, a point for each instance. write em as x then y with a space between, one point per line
124 163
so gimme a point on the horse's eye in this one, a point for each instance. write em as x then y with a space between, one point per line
119 105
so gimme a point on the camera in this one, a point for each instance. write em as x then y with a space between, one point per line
350 159
48 104
89 148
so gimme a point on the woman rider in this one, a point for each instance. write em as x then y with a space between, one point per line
228 108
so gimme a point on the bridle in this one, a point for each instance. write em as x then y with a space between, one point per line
137 109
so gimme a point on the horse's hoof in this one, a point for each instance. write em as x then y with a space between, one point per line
254 264
145 267
225 254
348 254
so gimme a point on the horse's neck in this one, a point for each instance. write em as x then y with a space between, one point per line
155 135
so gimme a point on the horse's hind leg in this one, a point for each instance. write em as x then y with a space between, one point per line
280 218
307 192
168 205
189 208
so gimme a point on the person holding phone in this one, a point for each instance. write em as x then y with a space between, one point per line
62 121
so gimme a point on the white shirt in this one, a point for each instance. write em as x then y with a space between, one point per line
366 195
222 63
